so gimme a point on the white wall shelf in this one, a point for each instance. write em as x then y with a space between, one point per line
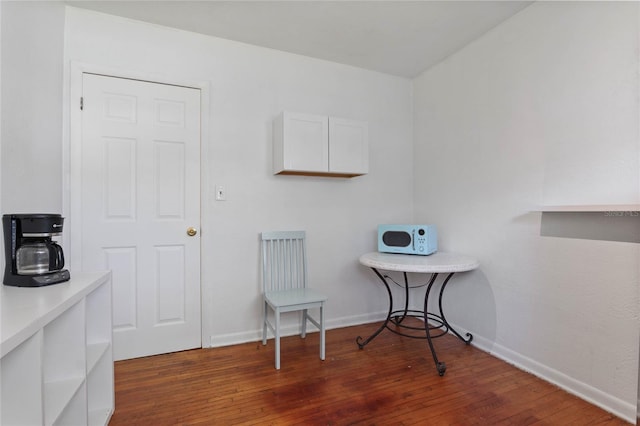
591 208
605 222
57 357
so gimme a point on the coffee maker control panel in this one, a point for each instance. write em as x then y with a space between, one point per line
52 278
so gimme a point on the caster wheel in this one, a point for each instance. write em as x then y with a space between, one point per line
441 368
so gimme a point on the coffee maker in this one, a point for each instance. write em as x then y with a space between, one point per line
32 258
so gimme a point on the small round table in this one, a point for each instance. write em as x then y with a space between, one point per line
439 262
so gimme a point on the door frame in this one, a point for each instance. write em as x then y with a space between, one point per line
71 171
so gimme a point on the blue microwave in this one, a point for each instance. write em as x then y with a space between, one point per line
408 239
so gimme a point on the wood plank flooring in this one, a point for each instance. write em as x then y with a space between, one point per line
392 381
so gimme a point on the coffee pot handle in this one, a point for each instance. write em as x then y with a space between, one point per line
57 257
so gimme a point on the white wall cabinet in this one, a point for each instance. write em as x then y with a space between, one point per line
57 360
317 145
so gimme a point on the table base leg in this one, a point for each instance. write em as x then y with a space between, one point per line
441 321
362 344
440 366
444 319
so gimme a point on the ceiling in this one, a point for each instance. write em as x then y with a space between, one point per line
398 37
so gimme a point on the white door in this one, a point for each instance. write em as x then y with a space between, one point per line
140 194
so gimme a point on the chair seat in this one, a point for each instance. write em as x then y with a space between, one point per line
295 296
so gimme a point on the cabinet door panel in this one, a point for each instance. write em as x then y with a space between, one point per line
348 146
306 142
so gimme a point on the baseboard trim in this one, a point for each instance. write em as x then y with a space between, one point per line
292 330
609 403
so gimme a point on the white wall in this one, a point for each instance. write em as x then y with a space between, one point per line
31 44
32 52
2 262
249 86
541 110
520 117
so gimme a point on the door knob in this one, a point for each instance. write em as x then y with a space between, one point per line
191 231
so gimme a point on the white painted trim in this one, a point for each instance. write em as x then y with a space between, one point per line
294 329
72 135
582 390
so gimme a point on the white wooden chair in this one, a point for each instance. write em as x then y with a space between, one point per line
284 280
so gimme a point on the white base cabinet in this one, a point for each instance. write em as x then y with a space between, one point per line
317 145
57 359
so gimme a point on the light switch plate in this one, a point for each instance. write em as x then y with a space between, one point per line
221 193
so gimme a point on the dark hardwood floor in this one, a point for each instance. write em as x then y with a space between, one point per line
392 381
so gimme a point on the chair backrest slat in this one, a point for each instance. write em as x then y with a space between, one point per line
284 260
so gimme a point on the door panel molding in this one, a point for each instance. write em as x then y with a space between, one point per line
72 137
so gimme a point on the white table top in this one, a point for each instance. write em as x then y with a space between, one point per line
434 263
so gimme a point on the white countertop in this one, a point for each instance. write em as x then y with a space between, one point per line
433 263
25 310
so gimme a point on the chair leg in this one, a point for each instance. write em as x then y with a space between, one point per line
303 334
277 314
322 339
264 324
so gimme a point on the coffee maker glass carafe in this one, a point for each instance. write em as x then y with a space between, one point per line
39 258
33 259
